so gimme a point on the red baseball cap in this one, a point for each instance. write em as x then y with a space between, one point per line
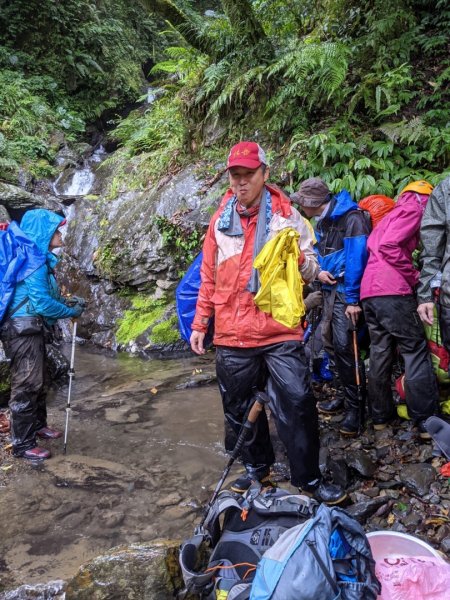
246 154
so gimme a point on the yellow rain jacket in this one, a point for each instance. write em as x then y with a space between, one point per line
281 291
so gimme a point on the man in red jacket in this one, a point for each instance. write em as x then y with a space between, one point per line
254 350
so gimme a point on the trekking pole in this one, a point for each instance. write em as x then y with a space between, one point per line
361 400
314 323
71 374
261 399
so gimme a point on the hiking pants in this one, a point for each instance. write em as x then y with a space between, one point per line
241 372
393 320
27 400
335 331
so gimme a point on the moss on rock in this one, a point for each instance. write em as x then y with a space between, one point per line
165 332
144 313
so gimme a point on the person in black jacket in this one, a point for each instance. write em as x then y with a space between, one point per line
341 230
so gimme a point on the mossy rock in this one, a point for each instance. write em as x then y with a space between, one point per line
147 571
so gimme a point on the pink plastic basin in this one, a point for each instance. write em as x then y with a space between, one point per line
393 543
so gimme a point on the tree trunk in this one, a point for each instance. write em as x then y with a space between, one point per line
182 22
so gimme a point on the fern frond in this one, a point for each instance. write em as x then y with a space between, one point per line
236 88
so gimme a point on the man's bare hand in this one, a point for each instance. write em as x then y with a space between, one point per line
326 277
426 312
197 339
352 313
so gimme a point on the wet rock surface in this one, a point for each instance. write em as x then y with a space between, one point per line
16 200
141 458
144 571
144 455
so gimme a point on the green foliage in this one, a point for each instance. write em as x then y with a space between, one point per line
28 121
166 332
182 241
111 255
64 68
370 164
152 142
94 50
142 315
355 92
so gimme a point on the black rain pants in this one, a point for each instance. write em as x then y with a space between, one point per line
28 390
393 321
242 371
337 340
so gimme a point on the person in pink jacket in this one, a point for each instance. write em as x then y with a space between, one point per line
390 308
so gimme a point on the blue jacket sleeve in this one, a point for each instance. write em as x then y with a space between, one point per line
41 299
355 249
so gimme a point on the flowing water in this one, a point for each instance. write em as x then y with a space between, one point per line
143 455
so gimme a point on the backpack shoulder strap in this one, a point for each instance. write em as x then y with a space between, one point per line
224 501
197 581
16 308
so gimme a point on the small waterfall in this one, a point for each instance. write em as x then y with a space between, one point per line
79 182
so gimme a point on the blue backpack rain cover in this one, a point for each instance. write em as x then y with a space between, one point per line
186 297
19 257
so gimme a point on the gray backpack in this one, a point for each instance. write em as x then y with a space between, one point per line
220 560
328 558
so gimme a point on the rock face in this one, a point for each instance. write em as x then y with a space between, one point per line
16 200
147 572
117 257
118 254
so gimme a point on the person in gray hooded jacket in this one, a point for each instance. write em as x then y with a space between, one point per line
435 237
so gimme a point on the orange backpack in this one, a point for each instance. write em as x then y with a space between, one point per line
377 206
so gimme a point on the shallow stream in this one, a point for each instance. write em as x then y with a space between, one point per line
142 455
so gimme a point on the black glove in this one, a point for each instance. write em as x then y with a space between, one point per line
74 300
78 310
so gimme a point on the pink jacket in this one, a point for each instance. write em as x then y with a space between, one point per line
389 270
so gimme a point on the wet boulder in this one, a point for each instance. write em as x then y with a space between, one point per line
365 507
15 198
418 478
54 590
146 571
93 474
361 462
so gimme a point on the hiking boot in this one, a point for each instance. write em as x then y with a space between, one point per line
322 491
423 433
36 453
47 433
242 484
331 407
351 423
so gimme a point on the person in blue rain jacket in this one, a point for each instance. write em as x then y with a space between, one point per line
34 304
342 230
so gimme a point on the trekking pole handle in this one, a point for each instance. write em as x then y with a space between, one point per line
261 399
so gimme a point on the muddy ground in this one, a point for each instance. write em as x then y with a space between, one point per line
145 452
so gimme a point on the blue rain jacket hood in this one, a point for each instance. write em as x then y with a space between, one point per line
342 245
343 204
39 226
